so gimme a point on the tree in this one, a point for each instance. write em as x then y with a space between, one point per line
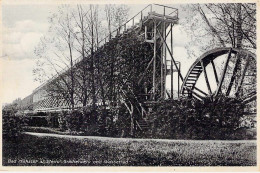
225 24
55 53
116 16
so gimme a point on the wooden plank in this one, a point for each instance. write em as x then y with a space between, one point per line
223 73
206 77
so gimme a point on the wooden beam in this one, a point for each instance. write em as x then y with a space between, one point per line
196 94
171 64
165 64
243 76
172 57
250 99
215 71
223 73
200 91
233 75
149 64
154 60
206 76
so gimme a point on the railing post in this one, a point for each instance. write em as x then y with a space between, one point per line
133 21
163 10
141 15
151 9
125 26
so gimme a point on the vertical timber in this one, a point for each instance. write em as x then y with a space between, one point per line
171 65
154 61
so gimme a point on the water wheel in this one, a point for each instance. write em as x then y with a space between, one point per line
227 71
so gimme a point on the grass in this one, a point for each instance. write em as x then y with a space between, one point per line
101 151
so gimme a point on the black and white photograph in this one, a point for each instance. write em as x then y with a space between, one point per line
98 83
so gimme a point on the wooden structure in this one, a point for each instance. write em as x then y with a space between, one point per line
155 29
238 74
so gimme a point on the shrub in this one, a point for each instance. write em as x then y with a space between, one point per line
78 121
13 126
62 121
192 119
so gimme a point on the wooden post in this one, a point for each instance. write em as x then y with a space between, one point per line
161 58
180 75
179 79
154 60
164 64
171 65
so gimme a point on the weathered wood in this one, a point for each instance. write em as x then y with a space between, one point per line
171 64
200 91
154 61
215 71
180 75
233 76
223 73
243 76
206 76
250 99
149 64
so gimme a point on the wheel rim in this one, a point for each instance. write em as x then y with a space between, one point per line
235 77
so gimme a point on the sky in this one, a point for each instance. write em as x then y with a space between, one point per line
24 25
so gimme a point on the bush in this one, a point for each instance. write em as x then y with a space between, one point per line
78 121
62 121
192 119
13 126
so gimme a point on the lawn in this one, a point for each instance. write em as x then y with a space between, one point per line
50 149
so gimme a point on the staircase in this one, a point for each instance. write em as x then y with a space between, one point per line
142 125
192 79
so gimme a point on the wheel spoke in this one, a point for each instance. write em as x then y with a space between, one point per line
250 97
206 77
215 71
233 75
223 73
194 93
200 91
243 75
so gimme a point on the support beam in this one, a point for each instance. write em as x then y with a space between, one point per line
196 94
149 64
223 73
165 65
162 68
233 75
250 99
206 76
243 75
171 64
215 71
171 57
200 91
154 60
